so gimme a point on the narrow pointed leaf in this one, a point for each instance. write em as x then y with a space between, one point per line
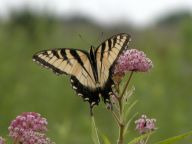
128 123
129 108
128 93
174 139
104 138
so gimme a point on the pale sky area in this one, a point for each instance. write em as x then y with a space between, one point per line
138 12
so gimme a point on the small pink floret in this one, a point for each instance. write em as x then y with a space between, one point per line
145 125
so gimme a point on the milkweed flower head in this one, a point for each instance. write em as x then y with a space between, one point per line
28 127
27 121
132 60
2 140
145 125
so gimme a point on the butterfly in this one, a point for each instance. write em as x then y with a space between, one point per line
90 72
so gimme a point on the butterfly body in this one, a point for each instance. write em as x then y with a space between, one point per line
91 72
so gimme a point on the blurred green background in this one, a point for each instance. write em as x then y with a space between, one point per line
164 93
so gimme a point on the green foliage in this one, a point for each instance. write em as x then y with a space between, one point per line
105 138
95 134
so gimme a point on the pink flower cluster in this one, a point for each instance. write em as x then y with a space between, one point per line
2 140
29 127
132 60
145 125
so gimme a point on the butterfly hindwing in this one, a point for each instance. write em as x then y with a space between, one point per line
90 95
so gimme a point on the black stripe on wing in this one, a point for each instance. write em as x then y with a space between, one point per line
109 44
77 57
63 53
55 53
102 50
47 65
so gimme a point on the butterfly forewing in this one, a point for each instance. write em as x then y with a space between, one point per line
107 53
68 61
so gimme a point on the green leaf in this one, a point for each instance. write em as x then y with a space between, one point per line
95 136
128 123
104 138
129 108
128 94
138 139
175 138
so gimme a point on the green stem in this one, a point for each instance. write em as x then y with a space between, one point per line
116 117
95 129
121 115
121 132
121 124
147 139
126 85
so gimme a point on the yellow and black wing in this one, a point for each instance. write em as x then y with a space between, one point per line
106 55
68 61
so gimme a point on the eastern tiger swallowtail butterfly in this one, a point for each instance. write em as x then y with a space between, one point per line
90 72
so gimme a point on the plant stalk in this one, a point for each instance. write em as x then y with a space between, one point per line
121 132
121 124
95 129
126 85
121 111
